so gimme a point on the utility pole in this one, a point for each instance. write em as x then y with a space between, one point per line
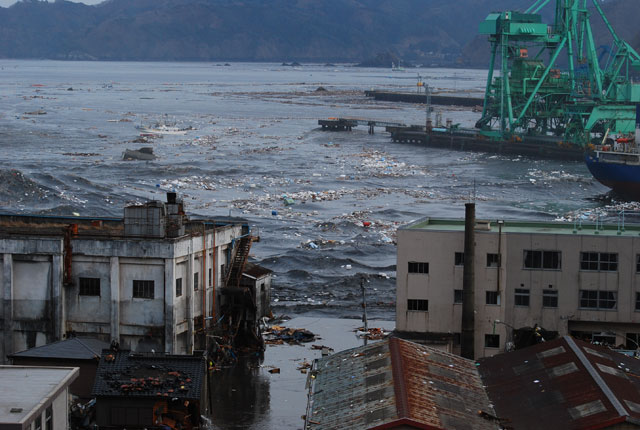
364 312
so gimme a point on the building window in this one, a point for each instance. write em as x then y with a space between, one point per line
89 286
593 299
492 341
458 296
637 301
599 261
195 281
522 297
546 260
417 305
210 276
633 341
459 259
38 423
143 289
415 267
178 287
48 418
493 260
550 298
492 298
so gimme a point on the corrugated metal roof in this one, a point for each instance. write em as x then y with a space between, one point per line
397 382
76 348
124 373
563 384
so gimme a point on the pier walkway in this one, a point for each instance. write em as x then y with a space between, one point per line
346 124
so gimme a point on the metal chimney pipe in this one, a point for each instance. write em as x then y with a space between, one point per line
468 281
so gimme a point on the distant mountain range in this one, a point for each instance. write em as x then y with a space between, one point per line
429 32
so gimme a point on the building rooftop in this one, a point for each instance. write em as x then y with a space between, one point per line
255 271
123 373
24 390
76 348
531 227
563 384
397 383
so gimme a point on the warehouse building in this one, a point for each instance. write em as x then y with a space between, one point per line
150 281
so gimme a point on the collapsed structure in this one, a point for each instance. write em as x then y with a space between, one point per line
151 281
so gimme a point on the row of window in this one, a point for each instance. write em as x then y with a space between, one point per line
142 289
589 299
542 260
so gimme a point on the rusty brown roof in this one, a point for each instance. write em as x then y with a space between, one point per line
396 383
255 271
563 384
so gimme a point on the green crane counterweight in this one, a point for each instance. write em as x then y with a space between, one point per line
534 95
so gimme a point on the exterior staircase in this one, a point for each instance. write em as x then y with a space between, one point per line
240 254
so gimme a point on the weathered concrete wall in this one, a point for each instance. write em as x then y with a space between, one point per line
32 304
140 317
31 289
83 309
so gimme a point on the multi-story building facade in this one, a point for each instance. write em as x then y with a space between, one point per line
152 280
581 280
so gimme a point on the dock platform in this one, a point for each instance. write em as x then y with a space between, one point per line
347 124
436 99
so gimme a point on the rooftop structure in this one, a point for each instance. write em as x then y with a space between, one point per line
396 384
75 348
144 390
564 384
34 396
568 278
83 353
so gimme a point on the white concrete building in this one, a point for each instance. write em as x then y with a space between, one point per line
145 281
35 398
566 278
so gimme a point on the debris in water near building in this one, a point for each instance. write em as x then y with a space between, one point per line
373 333
277 335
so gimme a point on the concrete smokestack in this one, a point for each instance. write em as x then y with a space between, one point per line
468 282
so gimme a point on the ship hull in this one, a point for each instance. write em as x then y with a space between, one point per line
618 171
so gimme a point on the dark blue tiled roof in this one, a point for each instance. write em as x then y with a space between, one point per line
124 373
76 348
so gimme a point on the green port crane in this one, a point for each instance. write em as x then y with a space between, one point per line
579 102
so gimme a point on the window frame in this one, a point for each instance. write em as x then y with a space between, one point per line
541 259
496 294
418 267
87 287
143 289
196 281
178 287
493 260
489 341
458 259
596 263
416 305
598 298
48 418
458 297
549 295
520 293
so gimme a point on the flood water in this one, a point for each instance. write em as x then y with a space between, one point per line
65 125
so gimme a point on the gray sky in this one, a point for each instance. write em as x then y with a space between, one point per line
6 3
